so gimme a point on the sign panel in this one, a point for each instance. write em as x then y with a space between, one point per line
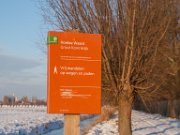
74 73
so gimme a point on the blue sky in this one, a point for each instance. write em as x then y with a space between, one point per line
22 62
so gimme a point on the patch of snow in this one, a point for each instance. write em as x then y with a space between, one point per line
29 120
33 120
142 124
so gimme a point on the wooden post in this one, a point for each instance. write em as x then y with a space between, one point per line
72 121
71 124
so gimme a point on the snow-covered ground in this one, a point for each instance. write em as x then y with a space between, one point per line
29 120
142 124
34 120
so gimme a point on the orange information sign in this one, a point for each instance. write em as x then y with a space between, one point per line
74 73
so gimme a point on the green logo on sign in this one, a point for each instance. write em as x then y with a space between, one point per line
52 39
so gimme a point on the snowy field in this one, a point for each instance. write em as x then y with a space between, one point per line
29 120
34 120
142 124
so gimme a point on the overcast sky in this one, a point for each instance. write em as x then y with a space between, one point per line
22 63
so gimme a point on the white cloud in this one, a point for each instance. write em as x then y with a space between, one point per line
22 76
10 64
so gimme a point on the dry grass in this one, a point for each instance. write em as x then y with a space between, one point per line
107 112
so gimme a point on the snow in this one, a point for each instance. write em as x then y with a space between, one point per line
29 120
83 124
33 120
142 124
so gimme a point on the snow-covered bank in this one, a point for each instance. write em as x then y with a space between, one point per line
24 120
29 120
142 124
83 125
32 120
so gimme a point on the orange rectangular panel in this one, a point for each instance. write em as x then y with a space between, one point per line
74 73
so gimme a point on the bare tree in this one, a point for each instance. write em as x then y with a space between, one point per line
171 54
135 32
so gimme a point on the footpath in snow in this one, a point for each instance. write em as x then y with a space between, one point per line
142 124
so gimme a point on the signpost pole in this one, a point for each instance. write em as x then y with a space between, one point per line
71 124
72 121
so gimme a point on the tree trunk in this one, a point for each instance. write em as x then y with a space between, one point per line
171 108
125 109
